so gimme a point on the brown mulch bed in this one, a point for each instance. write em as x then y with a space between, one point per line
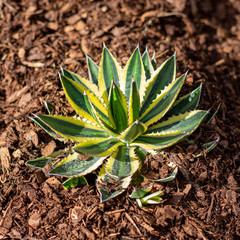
36 37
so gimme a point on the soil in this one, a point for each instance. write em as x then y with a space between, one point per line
39 36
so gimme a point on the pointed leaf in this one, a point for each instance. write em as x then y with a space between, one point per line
99 117
152 196
186 122
186 103
74 129
82 81
153 62
140 192
132 132
123 162
50 107
74 182
92 70
163 102
109 70
98 147
75 95
47 129
171 177
158 141
161 78
134 103
117 110
211 114
72 166
104 180
208 147
133 70
43 161
148 67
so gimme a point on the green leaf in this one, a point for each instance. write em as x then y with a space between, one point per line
72 166
140 192
43 161
161 78
186 103
148 67
211 114
109 70
75 95
50 107
153 62
141 155
82 81
158 141
74 182
163 102
93 70
134 103
133 70
100 118
98 147
104 182
47 129
74 129
186 122
152 196
117 110
208 147
171 177
123 162
132 132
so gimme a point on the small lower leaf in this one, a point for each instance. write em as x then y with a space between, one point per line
72 166
108 187
74 182
208 147
140 192
43 161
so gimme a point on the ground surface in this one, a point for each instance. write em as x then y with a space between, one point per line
38 36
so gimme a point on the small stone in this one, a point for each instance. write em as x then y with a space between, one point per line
77 214
48 150
34 220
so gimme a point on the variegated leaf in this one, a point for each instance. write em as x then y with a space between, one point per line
161 78
158 141
47 129
186 122
99 117
140 192
93 70
74 129
134 103
75 95
105 179
148 67
185 103
153 61
169 178
122 162
163 102
43 161
132 132
117 109
109 70
84 82
98 147
74 182
72 166
133 70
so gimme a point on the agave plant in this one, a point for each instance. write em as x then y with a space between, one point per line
121 115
